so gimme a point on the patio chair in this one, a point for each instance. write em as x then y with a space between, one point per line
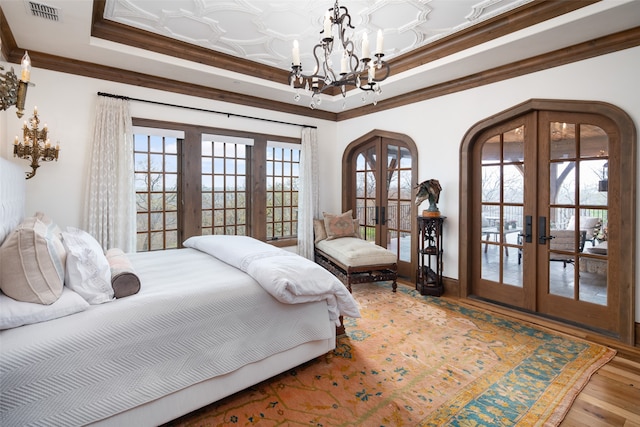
565 241
589 224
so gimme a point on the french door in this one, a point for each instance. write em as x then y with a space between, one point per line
380 177
543 227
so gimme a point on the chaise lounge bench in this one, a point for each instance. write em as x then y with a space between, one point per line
351 259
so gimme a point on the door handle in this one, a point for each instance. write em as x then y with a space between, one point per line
542 231
384 216
528 226
376 218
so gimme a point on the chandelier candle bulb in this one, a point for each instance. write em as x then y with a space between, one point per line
343 63
327 26
296 53
365 47
379 42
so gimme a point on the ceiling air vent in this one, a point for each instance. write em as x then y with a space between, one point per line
43 11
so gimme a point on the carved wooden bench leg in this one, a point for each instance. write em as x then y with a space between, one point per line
340 329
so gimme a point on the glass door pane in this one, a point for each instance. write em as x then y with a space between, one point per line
366 190
397 217
502 216
577 269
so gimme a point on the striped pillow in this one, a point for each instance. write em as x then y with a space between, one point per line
33 262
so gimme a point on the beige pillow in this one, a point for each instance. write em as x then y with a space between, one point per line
356 228
33 263
319 231
338 226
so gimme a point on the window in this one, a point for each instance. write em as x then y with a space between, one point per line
283 171
156 184
224 185
243 184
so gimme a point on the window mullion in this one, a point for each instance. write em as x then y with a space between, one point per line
257 176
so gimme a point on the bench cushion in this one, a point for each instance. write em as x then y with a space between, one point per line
355 252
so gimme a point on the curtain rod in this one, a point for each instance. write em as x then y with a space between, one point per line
110 95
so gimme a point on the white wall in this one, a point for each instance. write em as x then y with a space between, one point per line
67 103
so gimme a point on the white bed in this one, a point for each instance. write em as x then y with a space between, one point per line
198 330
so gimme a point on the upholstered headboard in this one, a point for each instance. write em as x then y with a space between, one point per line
13 190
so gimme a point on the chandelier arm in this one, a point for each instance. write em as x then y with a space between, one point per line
349 47
330 75
296 70
387 71
328 71
317 59
346 15
354 64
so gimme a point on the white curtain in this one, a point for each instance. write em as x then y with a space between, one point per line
110 200
308 198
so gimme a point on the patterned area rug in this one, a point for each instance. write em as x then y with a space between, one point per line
413 360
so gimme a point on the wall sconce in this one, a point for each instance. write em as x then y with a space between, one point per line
12 90
603 184
35 145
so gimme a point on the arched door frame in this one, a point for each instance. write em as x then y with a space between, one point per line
348 185
625 205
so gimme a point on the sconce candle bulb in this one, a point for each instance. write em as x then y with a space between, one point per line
13 90
26 68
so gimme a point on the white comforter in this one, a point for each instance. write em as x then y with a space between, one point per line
289 277
194 318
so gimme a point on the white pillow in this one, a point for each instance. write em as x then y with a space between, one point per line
88 271
17 313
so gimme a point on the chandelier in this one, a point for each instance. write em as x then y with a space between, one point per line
36 145
13 91
364 73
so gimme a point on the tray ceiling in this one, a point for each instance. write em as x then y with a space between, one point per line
263 31
243 47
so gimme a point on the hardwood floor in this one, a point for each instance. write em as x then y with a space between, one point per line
611 398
